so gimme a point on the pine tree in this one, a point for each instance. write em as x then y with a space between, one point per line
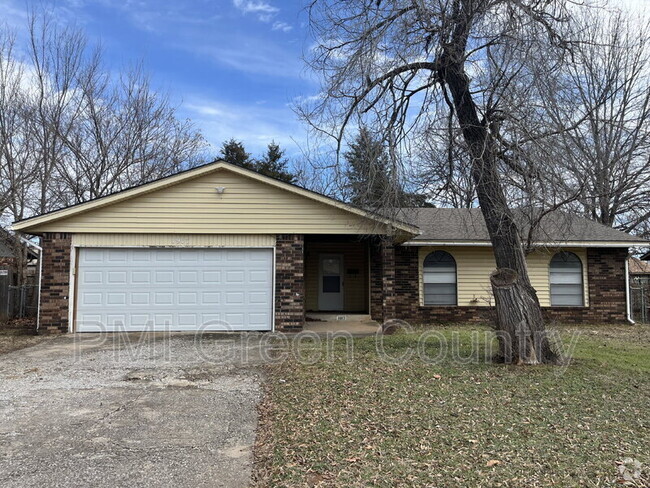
274 164
234 152
367 174
371 181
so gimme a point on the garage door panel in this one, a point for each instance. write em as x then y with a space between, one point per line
174 289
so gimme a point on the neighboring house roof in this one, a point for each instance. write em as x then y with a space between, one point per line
467 226
61 219
638 267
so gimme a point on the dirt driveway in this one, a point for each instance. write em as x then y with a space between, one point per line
130 410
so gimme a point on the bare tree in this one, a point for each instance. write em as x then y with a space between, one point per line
16 170
443 166
71 131
395 64
55 60
124 134
606 87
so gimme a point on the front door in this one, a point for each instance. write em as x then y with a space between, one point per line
330 288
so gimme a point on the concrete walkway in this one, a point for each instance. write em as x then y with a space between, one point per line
355 324
130 410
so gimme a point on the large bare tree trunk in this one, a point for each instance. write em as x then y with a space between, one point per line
522 336
519 315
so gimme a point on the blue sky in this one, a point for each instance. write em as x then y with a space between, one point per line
232 66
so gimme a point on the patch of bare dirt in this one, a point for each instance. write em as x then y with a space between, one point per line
13 342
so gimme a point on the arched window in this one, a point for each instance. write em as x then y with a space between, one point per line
439 279
566 280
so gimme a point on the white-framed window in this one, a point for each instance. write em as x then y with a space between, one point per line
567 288
439 277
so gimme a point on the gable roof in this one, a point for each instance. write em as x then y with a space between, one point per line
467 226
638 267
34 223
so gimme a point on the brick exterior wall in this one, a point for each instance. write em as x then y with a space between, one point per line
376 282
55 284
394 287
383 294
606 278
407 292
389 298
289 282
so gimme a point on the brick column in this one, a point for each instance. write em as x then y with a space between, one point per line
289 282
55 283
388 279
606 271
407 283
376 282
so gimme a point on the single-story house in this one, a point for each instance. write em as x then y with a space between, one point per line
219 247
639 270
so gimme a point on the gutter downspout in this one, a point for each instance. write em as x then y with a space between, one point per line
627 292
40 277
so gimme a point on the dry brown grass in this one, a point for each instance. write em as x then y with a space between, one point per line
369 423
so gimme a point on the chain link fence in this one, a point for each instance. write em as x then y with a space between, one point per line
18 301
22 301
640 299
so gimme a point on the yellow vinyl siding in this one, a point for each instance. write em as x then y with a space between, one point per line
172 240
474 265
355 286
247 206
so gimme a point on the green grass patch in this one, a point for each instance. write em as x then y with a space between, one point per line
445 417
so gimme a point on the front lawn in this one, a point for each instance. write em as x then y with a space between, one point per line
351 417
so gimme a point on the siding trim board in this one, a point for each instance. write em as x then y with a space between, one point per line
553 245
173 240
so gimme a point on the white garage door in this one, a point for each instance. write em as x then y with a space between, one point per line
174 289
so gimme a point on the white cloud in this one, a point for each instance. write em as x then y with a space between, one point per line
254 124
250 56
264 11
282 26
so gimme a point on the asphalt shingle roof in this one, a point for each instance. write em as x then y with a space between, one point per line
463 224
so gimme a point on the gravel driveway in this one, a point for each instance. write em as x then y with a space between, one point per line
130 410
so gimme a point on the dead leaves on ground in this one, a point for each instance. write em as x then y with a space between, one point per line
367 423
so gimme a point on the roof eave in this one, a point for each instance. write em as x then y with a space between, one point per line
460 243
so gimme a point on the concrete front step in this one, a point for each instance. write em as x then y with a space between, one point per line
338 317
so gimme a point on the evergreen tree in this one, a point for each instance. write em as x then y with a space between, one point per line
272 163
369 178
367 175
234 152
